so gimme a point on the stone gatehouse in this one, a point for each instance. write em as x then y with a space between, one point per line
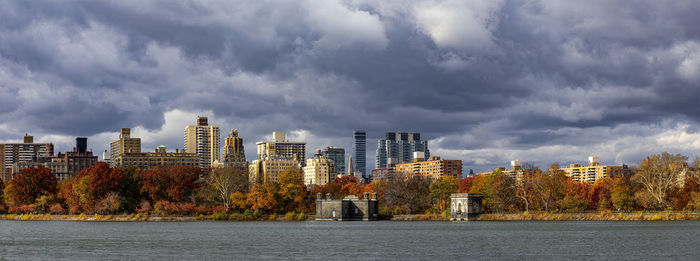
351 208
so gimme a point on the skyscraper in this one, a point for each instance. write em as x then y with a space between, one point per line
398 147
234 154
337 155
359 151
203 140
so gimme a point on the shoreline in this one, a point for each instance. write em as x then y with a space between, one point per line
523 216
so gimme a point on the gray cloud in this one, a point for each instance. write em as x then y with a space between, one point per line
486 81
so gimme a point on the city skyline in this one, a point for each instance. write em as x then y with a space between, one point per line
484 81
311 154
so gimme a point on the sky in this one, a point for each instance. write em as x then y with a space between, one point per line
485 81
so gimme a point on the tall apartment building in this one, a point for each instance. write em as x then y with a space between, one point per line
158 158
125 143
319 170
234 153
593 171
359 151
398 147
269 168
26 151
64 165
433 168
203 140
282 148
337 155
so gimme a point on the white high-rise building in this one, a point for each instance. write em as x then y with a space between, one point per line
203 140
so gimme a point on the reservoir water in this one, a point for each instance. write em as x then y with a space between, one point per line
530 240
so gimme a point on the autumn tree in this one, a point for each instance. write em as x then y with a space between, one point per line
600 195
334 188
222 182
29 185
441 189
171 183
406 196
239 201
683 197
8 196
44 202
622 193
498 190
657 175
524 190
466 183
263 197
550 187
2 187
576 197
339 188
109 204
293 193
130 188
93 184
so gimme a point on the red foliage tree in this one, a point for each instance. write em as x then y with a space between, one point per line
683 196
576 198
344 180
173 184
32 183
91 186
103 179
466 183
600 196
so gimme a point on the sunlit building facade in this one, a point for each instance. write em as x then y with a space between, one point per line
203 140
27 151
593 171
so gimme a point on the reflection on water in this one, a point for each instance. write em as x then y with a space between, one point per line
349 240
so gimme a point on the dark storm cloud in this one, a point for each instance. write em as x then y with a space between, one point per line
487 81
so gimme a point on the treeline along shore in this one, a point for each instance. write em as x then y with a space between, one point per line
522 216
660 187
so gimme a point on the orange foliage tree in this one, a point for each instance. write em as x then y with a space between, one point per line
263 197
293 193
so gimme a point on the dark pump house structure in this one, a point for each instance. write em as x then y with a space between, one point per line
351 208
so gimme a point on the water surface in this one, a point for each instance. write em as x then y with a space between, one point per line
550 240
